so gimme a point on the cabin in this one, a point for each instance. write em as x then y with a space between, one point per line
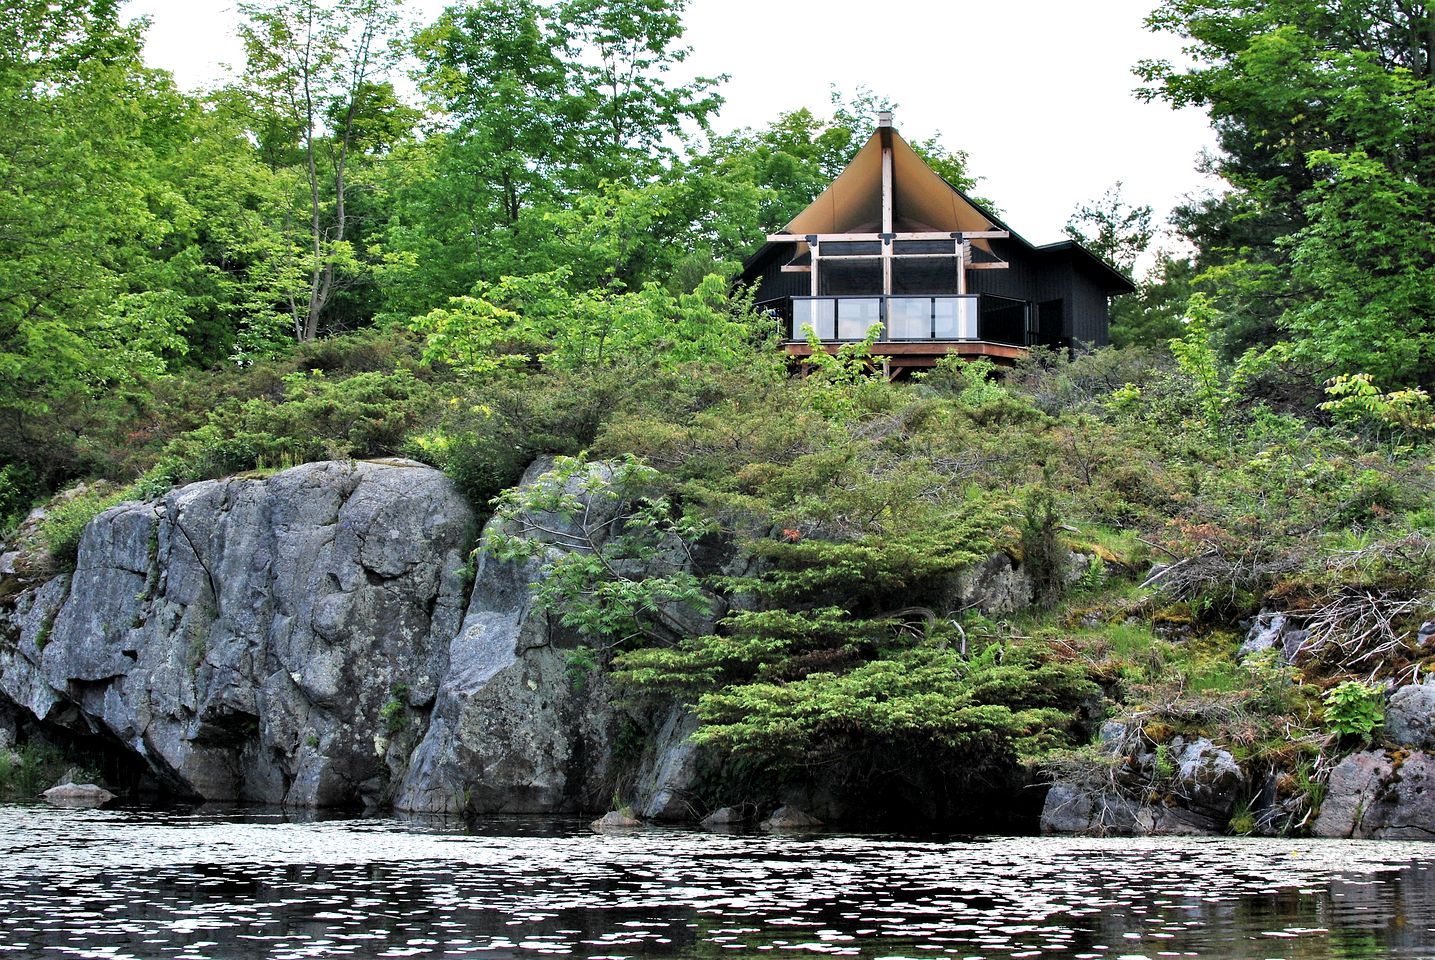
891 244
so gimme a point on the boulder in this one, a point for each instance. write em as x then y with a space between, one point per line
78 795
723 818
788 817
615 820
1410 716
1374 796
1087 810
1208 782
1272 629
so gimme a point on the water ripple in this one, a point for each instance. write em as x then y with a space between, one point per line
118 884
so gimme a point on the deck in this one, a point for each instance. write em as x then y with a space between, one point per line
915 330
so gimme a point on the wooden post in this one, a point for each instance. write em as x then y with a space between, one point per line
885 128
964 252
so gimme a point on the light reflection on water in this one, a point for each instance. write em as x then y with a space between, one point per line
114 884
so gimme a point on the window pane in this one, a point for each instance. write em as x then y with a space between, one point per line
957 318
848 277
909 318
855 316
817 314
924 275
947 318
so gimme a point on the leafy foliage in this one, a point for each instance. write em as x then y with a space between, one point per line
1353 708
1322 111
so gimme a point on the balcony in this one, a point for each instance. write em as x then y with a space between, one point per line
905 319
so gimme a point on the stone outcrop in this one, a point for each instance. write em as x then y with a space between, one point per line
312 639
1187 788
259 639
1410 716
1274 630
1372 795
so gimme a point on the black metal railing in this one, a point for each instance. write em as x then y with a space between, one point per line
912 319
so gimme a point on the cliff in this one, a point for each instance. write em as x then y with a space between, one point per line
309 638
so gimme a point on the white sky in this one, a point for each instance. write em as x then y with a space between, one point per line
1038 92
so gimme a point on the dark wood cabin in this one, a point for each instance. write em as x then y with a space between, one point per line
892 244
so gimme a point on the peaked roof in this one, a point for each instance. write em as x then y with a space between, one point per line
921 200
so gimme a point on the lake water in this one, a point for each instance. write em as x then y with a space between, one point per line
111 884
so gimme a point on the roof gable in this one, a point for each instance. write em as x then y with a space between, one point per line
921 199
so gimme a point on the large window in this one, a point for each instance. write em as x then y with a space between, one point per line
845 278
924 275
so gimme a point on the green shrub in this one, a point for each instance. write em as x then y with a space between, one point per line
1044 556
1354 708
318 418
65 522
394 713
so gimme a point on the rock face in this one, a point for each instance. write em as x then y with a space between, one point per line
1374 796
994 586
511 730
254 639
666 777
1191 788
310 639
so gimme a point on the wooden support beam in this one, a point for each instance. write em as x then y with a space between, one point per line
874 237
998 265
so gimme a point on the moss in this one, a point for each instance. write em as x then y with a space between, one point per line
1178 614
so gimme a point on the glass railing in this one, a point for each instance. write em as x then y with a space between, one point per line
909 318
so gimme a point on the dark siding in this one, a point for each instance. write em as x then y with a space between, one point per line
1090 318
1042 276
1019 281
771 282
